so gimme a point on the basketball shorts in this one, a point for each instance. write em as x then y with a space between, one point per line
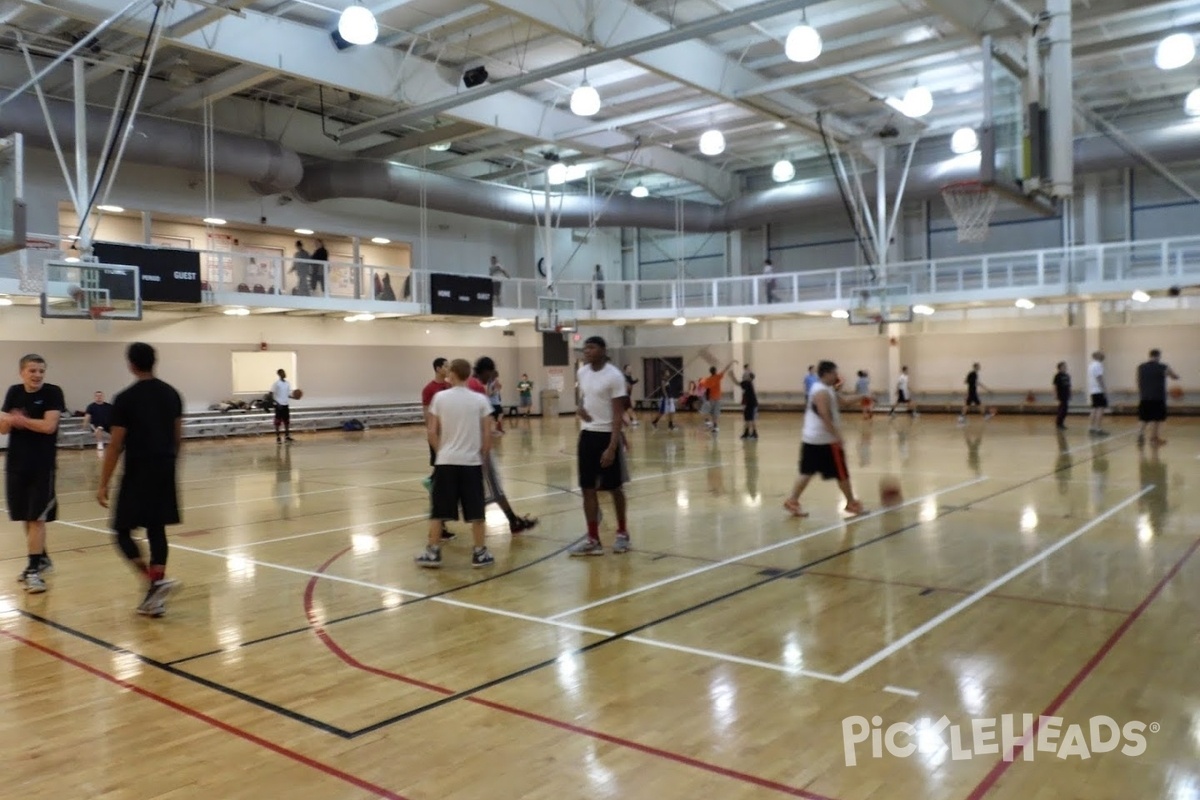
973 397
30 495
666 405
826 460
592 445
457 488
866 403
148 496
497 410
901 397
750 413
526 400
1152 411
1100 400
283 413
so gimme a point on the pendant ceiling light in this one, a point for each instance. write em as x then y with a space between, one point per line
712 143
357 25
585 100
803 44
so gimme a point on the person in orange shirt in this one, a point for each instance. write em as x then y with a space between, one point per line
712 391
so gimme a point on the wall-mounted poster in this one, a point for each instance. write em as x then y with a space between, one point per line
218 262
263 264
341 275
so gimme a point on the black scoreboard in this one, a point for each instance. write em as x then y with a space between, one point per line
460 295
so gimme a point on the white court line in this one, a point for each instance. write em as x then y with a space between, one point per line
901 691
1095 442
970 600
490 610
735 659
786 543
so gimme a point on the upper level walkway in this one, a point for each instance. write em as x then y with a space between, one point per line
1091 272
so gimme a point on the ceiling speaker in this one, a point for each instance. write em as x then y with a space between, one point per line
474 77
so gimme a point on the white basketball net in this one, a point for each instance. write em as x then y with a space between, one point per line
972 205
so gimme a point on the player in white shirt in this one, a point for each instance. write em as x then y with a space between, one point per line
821 448
281 393
1099 393
459 431
603 399
903 398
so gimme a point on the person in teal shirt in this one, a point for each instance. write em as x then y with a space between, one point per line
525 387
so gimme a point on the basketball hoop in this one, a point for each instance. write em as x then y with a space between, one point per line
99 315
972 204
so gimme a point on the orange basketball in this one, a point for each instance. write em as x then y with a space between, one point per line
889 492
297 394
1176 392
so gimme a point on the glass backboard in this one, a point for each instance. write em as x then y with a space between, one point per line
12 192
83 290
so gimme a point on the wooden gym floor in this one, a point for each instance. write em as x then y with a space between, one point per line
307 657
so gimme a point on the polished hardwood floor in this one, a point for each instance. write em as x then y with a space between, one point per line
735 653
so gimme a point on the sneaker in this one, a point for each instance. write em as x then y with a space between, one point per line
278 440
34 583
427 482
44 566
431 558
521 524
482 558
588 547
448 536
288 439
621 545
154 603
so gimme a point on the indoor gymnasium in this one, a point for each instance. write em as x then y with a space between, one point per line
581 399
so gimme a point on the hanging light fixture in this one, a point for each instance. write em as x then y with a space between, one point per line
803 44
964 141
712 143
1191 104
639 191
918 101
1175 51
557 174
585 100
440 147
357 25
783 171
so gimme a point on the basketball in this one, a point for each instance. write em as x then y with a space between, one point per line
889 492
297 394
1176 392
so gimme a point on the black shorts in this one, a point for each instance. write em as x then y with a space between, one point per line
826 460
901 397
1152 410
454 488
432 456
283 413
31 496
497 411
147 497
750 413
1100 400
592 445
973 397
105 428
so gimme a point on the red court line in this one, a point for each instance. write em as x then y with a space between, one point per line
998 595
378 791
989 780
678 758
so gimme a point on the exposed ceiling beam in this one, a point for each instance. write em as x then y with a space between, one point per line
508 148
888 58
628 31
296 49
658 112
413 141
429 27
231 81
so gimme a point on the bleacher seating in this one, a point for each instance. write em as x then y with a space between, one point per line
214 424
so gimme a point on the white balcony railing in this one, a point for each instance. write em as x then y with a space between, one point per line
1097 270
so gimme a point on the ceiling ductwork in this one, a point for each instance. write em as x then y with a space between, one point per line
270 167
398 183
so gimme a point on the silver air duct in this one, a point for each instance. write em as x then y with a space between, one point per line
269 167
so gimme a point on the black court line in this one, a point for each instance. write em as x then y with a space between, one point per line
205 682
372 611
782 575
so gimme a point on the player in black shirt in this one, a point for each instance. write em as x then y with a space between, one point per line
749 404
148 428
1152 396
972 400
1062 390
98 415
30 415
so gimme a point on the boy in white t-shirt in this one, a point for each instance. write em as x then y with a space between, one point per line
903 398
281 393
603 399
460 434
1099 393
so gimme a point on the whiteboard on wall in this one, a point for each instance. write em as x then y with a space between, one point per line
254 370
